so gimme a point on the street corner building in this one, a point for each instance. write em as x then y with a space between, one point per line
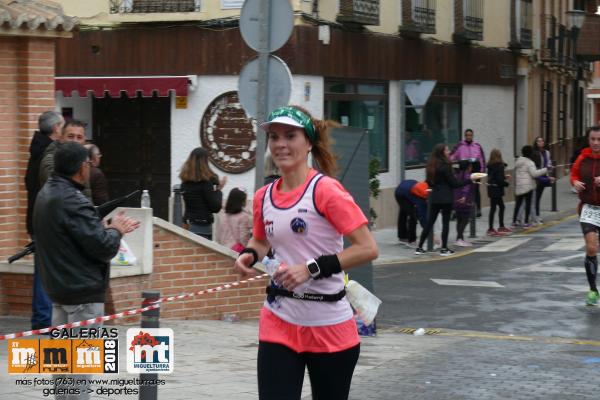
155 79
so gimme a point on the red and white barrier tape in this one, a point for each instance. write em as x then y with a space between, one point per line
152 306
211 290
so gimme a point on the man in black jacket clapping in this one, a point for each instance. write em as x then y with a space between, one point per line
73 246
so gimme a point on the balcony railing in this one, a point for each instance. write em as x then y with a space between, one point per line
418 17
549 34
471 26
423 14
359 12
526 38
525 24
154 6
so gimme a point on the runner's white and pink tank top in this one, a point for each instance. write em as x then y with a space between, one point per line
298 233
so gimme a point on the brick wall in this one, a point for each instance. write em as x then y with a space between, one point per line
180 266
26 90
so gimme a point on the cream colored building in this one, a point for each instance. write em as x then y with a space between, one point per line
489 58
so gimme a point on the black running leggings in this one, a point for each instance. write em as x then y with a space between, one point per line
520 198
499 202
446 210
281 372
539 190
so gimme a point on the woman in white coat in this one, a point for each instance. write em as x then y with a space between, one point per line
525 183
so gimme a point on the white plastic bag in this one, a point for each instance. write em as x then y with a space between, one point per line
364 302
125 256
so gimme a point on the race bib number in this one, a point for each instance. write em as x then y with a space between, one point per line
590 214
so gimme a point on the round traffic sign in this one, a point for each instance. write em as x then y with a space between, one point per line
279 25
279 81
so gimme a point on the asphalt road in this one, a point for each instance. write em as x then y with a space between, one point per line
532 289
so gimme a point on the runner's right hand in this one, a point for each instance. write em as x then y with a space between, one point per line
579 186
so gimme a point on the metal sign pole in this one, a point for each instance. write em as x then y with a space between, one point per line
263 90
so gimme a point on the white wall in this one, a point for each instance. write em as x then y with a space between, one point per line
82 109
185 123
489 111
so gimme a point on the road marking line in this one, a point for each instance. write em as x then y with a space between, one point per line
502 245
552 261
557 260
577 288
553 269
569 244
458 282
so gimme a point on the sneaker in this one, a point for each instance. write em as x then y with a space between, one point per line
463 243
446 252
493 233
592 298
419 251
412 245
504 229
516 225
527 225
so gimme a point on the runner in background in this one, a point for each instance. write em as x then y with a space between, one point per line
303 217
585 180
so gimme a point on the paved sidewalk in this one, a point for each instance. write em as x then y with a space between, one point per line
392 251
217 360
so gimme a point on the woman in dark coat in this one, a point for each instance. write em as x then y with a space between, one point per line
442 181
201 193
496 183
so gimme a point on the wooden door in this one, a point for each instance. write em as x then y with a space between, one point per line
133 135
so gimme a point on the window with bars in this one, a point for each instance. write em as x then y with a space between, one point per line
563 98
525 24
423 15
548 98
473 17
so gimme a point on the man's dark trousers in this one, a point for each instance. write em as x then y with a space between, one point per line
41 305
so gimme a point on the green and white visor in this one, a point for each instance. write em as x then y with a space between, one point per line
293 117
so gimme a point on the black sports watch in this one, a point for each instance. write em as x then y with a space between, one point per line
313 268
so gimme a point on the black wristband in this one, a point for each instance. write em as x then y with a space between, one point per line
251 251
329 265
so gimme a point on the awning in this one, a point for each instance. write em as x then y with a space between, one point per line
130 85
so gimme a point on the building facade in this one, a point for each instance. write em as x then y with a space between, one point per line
161 79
